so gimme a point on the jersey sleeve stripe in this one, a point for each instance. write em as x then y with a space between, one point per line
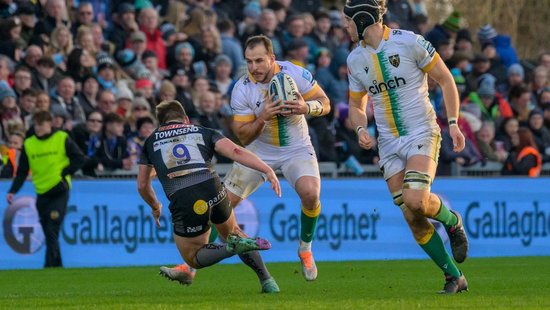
432 63
311 92
244 118
357 95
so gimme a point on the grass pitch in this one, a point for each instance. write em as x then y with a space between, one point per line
520 282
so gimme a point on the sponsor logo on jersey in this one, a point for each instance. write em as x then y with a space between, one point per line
397 32
394 60
366 70
383 86
200 207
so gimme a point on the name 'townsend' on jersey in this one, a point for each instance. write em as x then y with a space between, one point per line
181 154
394 76
248 100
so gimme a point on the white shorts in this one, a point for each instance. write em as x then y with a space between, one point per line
395 152
243 181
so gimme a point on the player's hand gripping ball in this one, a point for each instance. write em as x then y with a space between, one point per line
282 86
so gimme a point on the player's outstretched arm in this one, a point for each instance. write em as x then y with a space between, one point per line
243 156
147 192
441 74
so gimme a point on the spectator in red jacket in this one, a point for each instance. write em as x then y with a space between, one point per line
149 24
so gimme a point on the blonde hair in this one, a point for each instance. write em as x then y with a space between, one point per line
55 43
216 36
196 21
175 10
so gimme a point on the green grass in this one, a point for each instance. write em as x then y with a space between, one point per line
494 283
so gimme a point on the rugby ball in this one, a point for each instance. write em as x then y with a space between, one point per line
283 87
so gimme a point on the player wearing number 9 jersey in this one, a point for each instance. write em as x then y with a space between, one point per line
180 153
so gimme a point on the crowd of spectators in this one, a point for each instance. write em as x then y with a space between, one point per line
100 67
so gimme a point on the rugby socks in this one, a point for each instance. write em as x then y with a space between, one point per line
213 234
446 217
211 254
308 221
254 260
432 244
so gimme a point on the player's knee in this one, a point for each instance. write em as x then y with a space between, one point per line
310 201
416 201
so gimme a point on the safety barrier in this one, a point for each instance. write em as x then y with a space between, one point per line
107 224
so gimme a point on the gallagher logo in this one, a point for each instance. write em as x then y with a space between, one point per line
21 225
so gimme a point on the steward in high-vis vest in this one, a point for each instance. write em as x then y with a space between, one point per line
53 157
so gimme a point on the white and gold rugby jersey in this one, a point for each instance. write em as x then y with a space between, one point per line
248 99
394 76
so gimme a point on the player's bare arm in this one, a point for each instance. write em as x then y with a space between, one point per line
249 131
443 77
358 118
147 192
317 104
243 156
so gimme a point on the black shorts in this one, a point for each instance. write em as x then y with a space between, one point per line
193 207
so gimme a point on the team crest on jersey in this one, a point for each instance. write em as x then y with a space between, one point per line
394 60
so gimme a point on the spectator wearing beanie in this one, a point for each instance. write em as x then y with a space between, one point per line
106 72
185 55
138 43
515 75
129 62
222 73
502 43
124 99
489 105
445 31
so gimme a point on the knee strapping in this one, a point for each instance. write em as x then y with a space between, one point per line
398 199
417 180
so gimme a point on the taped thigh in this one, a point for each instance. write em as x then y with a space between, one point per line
417 180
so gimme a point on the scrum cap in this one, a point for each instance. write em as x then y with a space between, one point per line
364 13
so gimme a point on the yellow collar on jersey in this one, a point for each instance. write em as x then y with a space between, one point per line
275 71
385 36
